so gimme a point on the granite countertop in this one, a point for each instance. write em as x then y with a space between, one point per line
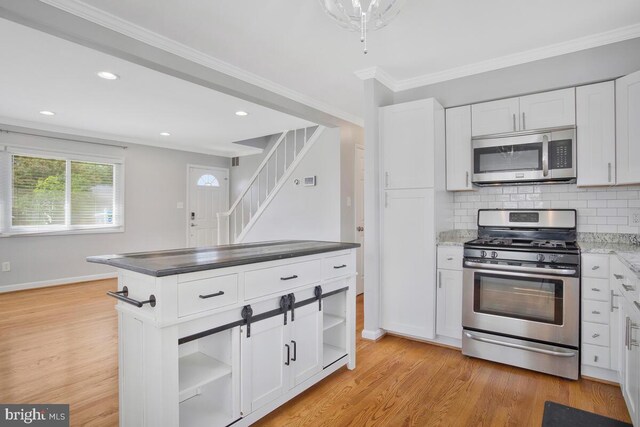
179 261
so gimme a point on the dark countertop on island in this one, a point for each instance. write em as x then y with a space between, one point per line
179 261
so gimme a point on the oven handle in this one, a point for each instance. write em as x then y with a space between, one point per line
515 268
519 346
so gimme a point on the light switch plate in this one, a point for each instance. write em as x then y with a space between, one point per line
634 217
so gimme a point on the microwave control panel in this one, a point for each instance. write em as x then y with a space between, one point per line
560 154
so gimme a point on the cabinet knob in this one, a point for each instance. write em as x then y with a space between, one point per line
595 267
595 312
595 335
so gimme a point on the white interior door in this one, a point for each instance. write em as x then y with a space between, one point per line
208 195
359 208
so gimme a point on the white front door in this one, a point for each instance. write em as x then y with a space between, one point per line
208 195
359 208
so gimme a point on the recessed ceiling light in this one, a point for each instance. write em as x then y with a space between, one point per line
108 75
165 134
241 113
47 113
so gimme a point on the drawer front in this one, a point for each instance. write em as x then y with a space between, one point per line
595 311
627 283
595 356
450 258
272 280
595 333
207 294
337 266
595 289
595 266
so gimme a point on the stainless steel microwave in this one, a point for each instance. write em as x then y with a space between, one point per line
530 156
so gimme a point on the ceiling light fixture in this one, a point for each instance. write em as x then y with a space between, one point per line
241 113
108 75
165 134
47 113
362 15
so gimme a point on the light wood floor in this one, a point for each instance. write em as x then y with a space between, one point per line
59 345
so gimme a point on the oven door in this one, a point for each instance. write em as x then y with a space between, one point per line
525 304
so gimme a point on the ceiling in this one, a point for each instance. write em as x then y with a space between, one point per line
48 73
293 43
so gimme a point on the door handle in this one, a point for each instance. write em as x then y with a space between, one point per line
467 179
288 362
440 279
524 126
609 166
514 122
360 228
295 351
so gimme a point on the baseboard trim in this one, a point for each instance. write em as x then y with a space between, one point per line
56 282
593 373
373 335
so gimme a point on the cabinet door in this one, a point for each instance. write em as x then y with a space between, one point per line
264 355
548 109
408 263
495 117
459 160
631 374
628 129
306 343
407 136
615 326
595 114
449 304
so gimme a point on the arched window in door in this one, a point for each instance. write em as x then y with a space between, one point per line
208 180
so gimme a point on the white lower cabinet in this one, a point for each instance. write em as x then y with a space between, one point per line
630 359
408 258
449 304
306 344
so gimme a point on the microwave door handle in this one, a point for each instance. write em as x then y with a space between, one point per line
545 155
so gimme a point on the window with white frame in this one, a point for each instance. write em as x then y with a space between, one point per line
60 193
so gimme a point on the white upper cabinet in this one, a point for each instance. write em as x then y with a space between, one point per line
595 114
408 135
628 129
495 117
459 160
538 111
548 109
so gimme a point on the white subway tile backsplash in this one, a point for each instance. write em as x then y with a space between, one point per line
602 210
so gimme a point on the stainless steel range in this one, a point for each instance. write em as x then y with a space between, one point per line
521 291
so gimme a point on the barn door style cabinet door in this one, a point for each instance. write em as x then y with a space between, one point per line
459 159
415 133
628 129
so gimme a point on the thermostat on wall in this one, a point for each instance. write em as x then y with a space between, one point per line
309 181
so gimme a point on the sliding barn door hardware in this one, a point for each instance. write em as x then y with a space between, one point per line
247 313
318 293
284 306
292 305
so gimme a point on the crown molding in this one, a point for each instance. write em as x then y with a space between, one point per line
112 22
558 49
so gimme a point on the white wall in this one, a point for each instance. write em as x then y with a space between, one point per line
311 213
155 181
601 209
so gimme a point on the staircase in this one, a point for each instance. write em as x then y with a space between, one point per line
271 175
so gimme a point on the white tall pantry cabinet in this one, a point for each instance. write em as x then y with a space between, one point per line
628 128
415 208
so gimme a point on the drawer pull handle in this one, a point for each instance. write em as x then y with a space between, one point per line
217 294
339 266
595 358
595 289
123 296
628 288
295 351
289 278
595 335
288 362
637 304
595 312
595 267
449 258
618 276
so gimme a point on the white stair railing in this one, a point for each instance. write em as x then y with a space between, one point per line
274 170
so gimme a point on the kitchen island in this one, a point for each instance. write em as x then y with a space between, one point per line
221 335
